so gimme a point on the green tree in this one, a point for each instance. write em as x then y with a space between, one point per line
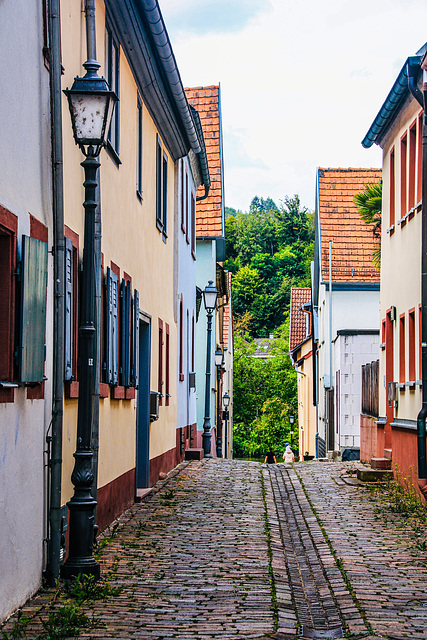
369 203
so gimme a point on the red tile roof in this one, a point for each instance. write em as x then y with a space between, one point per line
353 240
209 211
298 321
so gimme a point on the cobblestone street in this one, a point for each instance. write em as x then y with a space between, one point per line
232 549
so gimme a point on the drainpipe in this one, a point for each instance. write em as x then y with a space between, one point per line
421 418
54 534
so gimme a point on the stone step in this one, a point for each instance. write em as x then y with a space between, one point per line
194 454
380 463
374 475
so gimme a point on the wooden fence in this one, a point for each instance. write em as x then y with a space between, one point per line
370 373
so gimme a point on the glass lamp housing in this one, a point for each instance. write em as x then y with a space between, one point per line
210 295
226 399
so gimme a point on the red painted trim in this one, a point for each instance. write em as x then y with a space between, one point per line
9 223
181 338
160 363
411 345
114 497
392 188
72 389
412 167
118 393
8 220
162 464
420 158
104 389
403 174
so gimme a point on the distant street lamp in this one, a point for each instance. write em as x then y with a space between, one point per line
226 402
210 295
219 360
291 422
91 106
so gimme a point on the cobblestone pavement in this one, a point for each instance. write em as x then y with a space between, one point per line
232 549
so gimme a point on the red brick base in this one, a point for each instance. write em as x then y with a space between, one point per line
114 498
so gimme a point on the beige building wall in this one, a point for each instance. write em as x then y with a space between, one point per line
306 409
131 240
400 266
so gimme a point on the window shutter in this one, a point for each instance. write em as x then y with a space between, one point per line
136 338
127 332
31 352
165 195
112 326
69 311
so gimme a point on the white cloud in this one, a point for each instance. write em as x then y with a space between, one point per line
300 83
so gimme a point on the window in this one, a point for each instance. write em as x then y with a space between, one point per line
392 190
111 333
8 231
412 158
181 340
71 310
31 350
112 57
167 377
186 208
160 363
411 345
125 331
139 150
193 226
402 348
183 195
403 174
161 188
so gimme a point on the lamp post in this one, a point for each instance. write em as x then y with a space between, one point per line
210 295
91 106
226 402
219 359
291 422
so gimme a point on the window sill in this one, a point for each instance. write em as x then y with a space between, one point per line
71 390
103 390
130 393
118 393
113 154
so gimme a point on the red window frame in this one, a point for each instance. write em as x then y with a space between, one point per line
160 363
412 166
8 234
402 352
392 189
403 174
411 345
193 226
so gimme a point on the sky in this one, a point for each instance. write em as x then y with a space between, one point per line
301 82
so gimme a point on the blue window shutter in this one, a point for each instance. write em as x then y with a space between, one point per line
69 311
136 338
31 352
127 333
112 322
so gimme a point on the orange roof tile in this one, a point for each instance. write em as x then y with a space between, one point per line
298 320
209 211
353 240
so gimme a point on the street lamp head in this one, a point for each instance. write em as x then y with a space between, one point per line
291 419
218 357
91 106
210 295
226 399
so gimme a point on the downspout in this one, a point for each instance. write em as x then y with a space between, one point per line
421 418
91 55
54 534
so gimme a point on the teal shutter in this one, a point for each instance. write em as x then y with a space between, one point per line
136 338
31 350
69 311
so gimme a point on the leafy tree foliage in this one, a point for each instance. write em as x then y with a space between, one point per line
268 250
264 394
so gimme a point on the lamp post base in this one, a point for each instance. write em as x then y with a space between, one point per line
206 439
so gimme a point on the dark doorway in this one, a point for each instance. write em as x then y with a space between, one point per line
143 410
331 415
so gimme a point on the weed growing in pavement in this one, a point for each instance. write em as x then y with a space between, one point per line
84 588
403 501
19 629
64 622
107 538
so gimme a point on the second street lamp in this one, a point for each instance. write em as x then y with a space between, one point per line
219 359
91 106
210 295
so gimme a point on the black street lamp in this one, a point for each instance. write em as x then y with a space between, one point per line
219 360
91 106
226 402
210 295
291 422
